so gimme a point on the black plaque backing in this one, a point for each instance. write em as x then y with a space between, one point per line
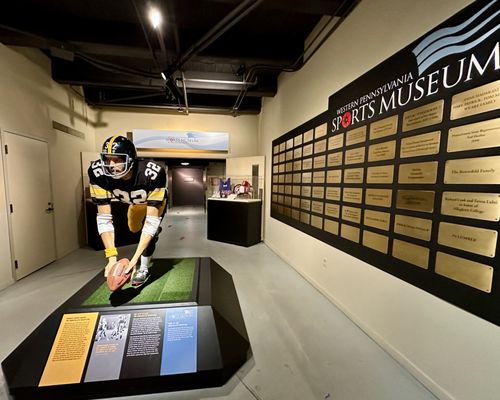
448 79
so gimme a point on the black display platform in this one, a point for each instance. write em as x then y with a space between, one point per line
234 221
137 348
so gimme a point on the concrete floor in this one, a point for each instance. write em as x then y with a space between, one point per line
304 348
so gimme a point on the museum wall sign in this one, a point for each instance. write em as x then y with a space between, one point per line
403 169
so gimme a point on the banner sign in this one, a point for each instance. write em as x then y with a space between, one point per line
159 140
403 169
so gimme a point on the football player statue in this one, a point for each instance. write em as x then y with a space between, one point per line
119 174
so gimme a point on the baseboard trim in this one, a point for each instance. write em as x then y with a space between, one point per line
399 357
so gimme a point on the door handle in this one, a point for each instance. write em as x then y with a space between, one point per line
50 208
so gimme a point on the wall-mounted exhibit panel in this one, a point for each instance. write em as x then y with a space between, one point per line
403 169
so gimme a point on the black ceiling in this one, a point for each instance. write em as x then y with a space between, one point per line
110 48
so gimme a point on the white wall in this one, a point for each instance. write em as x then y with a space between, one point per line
454 353
30 100
243 130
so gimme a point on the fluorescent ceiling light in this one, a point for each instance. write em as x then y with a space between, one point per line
155 17
184 163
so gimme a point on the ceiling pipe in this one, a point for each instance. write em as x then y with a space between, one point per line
213 34
185 94
249 76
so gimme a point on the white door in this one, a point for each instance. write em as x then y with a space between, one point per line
30 201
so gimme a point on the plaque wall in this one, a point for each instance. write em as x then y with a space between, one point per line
403 169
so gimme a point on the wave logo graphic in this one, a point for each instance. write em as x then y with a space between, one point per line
457 39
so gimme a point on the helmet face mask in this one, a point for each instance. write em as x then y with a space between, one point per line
116 165
117 156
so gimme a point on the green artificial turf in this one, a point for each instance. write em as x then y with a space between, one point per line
170 280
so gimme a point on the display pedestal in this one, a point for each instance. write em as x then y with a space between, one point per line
134 341
234 221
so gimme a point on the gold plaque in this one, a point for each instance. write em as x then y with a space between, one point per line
307 150
275 188
353 175
297 178
280 209
288 178
317 222
471 273
377 219
295 214
319 162
333 193
351 214
349 232
411 253
320 147
297 165
320 131
334 176
289 167
282 168
274 198
281 188
305 204
382 174
419 228
352 195
485 206
281 178
305 217
331 226
476 101
297 153
295 202
480 135
287 211
307 163
336 142
318 192
282 157
297 140
355 156
280 199
332 210
317 207
382 151
385 127
429 114
334 159
355 136
420 145
375 241
288 189
276 149
306 191
425 172
288 201
308 136
481 170
378 197
319 177
276 159
417 200
296 190
282 146
275 169
475 240
306 177
289 143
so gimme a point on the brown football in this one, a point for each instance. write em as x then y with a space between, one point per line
117 276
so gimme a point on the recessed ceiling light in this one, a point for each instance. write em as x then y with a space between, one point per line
155 17
184 163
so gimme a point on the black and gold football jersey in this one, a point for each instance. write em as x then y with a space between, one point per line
146 186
